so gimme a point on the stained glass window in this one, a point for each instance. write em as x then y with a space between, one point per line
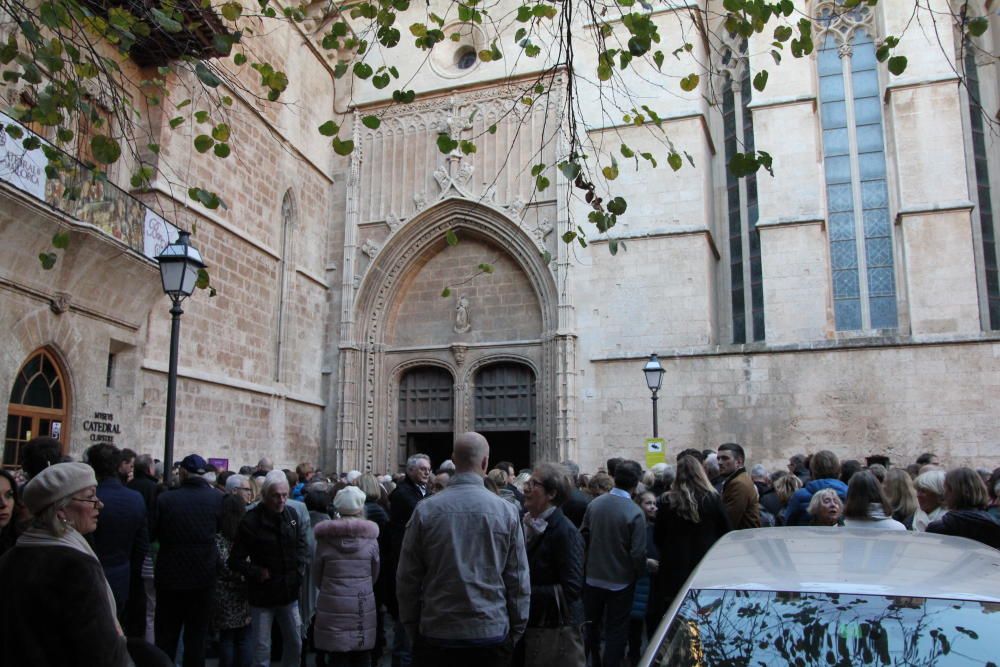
860 233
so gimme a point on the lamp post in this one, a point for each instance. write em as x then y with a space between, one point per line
179 266
653 370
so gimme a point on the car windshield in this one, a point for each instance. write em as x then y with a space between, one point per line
732 628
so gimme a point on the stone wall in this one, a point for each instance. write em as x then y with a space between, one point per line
898 401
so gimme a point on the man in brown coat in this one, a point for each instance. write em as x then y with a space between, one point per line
739 495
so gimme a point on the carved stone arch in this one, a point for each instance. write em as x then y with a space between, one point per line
833 20
498 358
367 375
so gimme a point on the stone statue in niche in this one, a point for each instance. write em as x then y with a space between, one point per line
463 321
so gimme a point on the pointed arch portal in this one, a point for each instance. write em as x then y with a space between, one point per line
496 330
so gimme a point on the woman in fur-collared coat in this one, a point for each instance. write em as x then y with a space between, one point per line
345 569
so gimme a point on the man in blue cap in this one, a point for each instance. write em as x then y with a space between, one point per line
185 524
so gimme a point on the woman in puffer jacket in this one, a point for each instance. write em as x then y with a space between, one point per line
344 570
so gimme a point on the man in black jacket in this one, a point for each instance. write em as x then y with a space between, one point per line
271 552
139 614
185 524
402 501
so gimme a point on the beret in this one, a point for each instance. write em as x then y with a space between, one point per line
56 482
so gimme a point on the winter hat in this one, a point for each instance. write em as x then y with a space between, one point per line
56 482
350 501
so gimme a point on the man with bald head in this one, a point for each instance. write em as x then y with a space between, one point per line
462 583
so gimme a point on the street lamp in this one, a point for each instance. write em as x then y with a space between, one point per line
179 266
654 371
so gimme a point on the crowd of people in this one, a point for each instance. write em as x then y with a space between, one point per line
101 563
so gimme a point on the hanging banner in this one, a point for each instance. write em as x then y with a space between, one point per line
25 170
656 451
158 233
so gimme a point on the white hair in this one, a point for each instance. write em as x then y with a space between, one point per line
411 462
932 480
273 478
353 475
758 471
233 482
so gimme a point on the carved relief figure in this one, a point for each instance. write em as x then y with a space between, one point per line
463 322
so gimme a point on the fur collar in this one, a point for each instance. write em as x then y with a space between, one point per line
335 528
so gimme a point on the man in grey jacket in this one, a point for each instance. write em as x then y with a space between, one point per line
614 531
462 582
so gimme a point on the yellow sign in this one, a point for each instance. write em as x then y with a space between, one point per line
656 452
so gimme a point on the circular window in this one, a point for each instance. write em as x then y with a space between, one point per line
457 55
465 58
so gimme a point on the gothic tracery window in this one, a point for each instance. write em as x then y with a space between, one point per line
984 213
860 230
745 276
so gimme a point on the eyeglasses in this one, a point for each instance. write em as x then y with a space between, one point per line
532 483
96 502
246 489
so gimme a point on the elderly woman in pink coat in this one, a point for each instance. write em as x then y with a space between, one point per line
345 568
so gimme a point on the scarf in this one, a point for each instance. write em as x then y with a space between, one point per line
535 526
38 537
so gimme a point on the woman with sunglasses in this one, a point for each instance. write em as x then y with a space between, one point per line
53 581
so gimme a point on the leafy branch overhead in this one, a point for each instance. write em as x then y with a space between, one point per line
66 63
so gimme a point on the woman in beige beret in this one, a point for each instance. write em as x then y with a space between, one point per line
52 579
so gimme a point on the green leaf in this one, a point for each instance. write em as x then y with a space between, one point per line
203 279
446 292
613 246
486 268
569 236
239 59
329 128
48 260
60 240
221 150
451 237
175 122
617 206
541 183
343 147
626 151
978 26
203 142
105 149
371 122
206 76
610 172
658 59
220 132
445 143
897 65
232 11
492 129
570 170
362 70
546 256
760 80
467 147
166 22
201 116
690 82
674 160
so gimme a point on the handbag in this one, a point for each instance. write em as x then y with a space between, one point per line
559 646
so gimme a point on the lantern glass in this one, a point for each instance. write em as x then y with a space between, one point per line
654 373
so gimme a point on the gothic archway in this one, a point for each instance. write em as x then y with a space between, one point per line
366 431
39 405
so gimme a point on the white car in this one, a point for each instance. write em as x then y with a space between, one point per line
835 596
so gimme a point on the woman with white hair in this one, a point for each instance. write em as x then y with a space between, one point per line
930 499
57 607
826 508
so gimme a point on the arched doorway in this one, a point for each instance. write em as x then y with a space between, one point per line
38 406
504 411
426 413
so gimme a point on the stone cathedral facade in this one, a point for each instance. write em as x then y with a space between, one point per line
849 301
